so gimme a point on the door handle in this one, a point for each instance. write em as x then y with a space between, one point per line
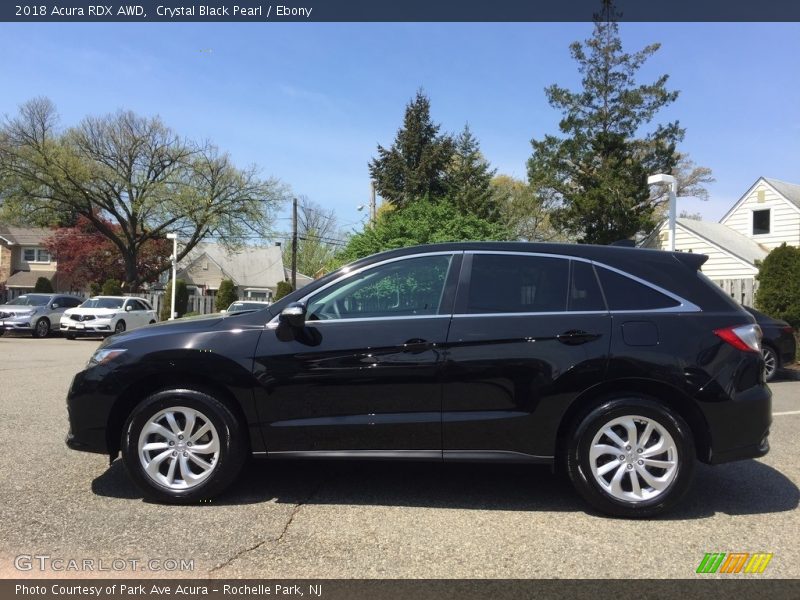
575 337
416 345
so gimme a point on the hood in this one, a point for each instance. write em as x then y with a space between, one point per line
200 323
92 311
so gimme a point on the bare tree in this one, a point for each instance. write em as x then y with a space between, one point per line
318 236
691 179
524 211
134 172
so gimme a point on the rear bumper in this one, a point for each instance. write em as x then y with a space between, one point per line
739 428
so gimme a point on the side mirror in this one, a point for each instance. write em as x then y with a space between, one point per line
128 308
294 315
54 305
223 311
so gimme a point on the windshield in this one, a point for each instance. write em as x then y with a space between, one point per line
103 303
246 306
28 300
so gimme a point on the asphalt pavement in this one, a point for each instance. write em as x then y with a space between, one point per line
353 520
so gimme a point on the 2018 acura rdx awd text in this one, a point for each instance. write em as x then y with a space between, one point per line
621 366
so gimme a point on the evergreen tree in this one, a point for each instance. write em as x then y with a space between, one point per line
181 299
226 295
597 172
416 164
284 288
112 287
778 277
43 285
469 178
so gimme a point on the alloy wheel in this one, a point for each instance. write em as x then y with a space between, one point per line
633 458
179 448
770 362
42 328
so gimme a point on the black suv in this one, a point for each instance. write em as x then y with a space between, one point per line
618 365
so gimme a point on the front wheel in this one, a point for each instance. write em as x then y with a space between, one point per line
631 457
41 328
771 363
181 446
119 327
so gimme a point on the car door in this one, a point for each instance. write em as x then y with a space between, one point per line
529 332
134 312
362 377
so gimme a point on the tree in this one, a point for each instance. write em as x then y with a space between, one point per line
112 287
597 172
416 164
469 178
318 237
43 286
526 214
181 300
778 277
133 178
420 223
226 294
284 288
86 256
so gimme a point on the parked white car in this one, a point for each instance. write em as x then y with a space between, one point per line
106 315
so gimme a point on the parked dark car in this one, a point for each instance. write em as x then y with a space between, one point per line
618 365
778 344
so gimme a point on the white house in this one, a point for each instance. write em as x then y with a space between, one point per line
254 270
766 216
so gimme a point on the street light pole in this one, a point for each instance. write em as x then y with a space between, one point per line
294 244
174 238
673 197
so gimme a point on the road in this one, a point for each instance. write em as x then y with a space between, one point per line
298 520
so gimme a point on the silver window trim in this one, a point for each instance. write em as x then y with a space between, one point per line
684 306
349 274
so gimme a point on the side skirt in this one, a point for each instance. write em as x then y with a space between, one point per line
471 456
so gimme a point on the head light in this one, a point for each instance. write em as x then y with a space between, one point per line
104 356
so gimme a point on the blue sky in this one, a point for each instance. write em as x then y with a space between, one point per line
308 103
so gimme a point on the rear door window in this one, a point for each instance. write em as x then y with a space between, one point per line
624 293
507 283
584 289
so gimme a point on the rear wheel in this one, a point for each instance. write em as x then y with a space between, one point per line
41 328
69 336
771 362
631 457
181 446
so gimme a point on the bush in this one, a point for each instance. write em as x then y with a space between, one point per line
95 289
43 286
284 287
112 287
778 292
181 299
226 294
191 314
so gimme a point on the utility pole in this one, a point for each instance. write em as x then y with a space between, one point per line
373 209
294 243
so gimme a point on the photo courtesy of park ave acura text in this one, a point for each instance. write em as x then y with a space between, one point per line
354 300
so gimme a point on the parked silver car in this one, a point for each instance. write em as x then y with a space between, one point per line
38 314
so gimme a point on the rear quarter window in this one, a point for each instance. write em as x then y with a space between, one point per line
624 293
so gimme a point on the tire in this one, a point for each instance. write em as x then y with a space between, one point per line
771 362
152 323
41 329
176 479
69 336
119 327
2 332
593 456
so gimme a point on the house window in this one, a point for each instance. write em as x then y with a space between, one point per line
760 222
36 255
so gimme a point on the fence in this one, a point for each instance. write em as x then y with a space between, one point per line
741 290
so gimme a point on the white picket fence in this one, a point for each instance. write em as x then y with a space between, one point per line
741 290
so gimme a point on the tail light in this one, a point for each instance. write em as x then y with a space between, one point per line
787 329
743 337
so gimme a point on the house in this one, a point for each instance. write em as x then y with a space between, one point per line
23 259
767 215
254 270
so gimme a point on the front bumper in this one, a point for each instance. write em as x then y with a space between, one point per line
89 408
18 323
93 327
